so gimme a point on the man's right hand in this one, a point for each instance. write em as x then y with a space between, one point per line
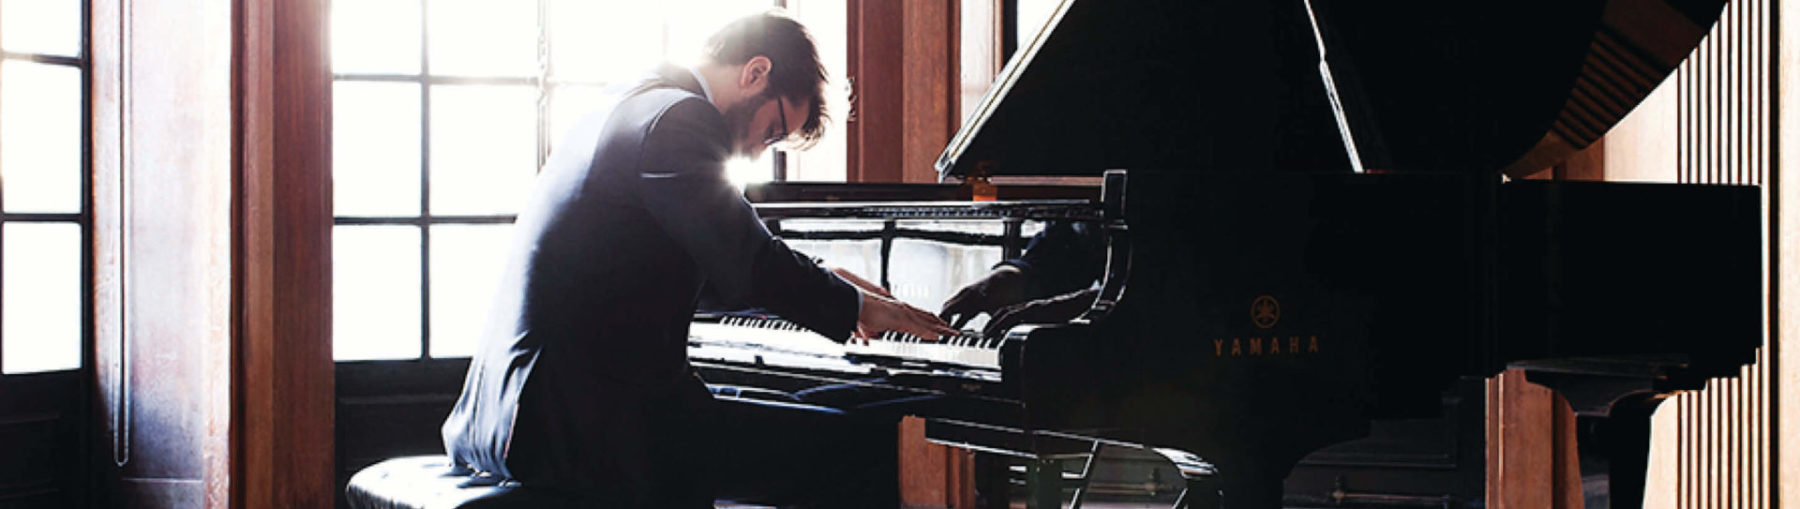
1003 287
881 314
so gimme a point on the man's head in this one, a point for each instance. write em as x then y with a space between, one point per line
767 80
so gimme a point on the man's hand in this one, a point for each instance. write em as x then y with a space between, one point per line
1003 287
1058 309
882 314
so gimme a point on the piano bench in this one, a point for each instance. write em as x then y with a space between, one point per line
425 482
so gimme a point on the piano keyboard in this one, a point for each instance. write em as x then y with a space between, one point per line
791 341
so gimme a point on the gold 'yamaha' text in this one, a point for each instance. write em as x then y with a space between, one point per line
1266 347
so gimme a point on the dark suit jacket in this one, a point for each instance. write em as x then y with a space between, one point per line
629 219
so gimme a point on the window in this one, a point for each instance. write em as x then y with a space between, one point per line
44 181
442 112
1031 17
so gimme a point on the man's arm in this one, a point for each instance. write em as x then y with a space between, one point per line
681 183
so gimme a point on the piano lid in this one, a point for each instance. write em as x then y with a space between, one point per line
1425 86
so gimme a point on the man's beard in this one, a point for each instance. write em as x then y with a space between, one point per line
737 120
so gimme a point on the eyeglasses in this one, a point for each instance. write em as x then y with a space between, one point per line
773 136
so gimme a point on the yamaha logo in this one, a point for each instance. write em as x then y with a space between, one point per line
1265 311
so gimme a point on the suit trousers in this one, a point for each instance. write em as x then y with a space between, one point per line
678 446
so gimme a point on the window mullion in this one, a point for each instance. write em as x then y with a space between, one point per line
425 87
543 83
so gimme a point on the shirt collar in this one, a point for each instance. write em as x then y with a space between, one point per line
704 89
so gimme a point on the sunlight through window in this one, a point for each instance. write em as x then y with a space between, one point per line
444 109
43 221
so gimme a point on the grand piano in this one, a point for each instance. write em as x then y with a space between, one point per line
1315 219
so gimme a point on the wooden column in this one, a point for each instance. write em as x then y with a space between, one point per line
1532 461
903 62
282 447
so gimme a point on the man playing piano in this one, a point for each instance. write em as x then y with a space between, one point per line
581 384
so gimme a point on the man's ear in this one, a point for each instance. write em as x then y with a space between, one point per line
753 78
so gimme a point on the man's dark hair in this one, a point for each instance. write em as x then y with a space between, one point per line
796 73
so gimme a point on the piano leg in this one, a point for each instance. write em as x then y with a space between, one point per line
1201 493
1615 452
1256 492
1043 483
991 483
1255 479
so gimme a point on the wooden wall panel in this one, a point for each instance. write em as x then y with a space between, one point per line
1642 147
388 409
1783 187
1722 131
162 131
1532 462
45 459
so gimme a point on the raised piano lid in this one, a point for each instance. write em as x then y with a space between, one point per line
1426 86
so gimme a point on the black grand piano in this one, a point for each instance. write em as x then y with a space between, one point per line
1311 225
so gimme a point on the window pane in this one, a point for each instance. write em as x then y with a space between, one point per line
483 37
604 40
375 36
465 269
40 297
40 137
826 161
1033 15
41 26
375 292
483 148
375 148
568 104
692 21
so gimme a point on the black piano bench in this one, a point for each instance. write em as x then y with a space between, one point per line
425 482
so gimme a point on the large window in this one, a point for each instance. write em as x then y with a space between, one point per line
442 112
44 181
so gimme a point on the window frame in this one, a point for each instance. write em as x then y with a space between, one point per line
82 218
545 83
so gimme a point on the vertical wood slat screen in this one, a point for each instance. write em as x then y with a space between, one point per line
1721 436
